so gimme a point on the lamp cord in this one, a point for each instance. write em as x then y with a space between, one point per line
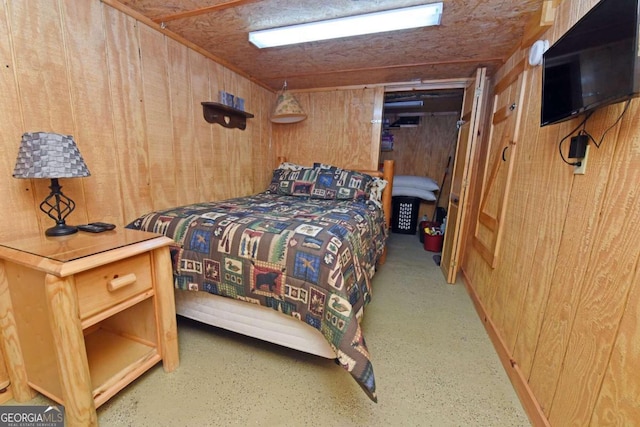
584 132
597 144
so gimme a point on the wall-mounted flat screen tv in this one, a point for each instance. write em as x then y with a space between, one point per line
594 64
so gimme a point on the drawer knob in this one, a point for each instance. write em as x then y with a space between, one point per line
120 282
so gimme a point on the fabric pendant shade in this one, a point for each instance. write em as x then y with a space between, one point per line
287 109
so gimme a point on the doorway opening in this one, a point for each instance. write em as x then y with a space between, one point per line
419 133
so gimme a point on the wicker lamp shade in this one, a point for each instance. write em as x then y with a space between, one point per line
49 155
52 156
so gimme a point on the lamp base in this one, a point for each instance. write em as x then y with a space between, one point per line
61 230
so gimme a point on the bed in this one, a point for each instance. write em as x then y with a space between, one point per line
291 265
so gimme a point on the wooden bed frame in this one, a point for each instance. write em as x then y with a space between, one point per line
264 323
386 174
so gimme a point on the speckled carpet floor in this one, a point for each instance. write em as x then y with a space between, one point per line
433 361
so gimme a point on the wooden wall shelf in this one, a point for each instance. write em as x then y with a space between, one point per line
224 115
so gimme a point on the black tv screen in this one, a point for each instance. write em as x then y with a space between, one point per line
593 64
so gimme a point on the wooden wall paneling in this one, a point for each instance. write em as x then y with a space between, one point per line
504 288
570 266
320 138
568 271
182 112
243 143
611 268
238 146
283 136
617 402
360 113
262 152
577 333
43 84
130 136
100 75
85 49
338 130
542 226
17 193
157 100
424 150
219 138
201 153
376 129
329 131
579 232
228 140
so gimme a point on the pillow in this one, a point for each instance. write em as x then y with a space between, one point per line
421 182
398 190
341 184
293 182
290 166
375 191
325 166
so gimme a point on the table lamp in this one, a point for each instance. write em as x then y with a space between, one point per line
52 156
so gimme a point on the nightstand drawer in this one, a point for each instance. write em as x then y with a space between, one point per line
106 286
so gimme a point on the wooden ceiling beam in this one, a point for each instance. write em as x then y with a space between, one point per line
390 67
202 10
416 85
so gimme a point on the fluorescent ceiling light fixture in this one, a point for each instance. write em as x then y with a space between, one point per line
377 22
403 104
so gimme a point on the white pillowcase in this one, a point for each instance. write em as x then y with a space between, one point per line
412 192
421 182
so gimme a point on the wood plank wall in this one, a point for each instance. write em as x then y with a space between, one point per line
131 97
565 295
338 130
424 151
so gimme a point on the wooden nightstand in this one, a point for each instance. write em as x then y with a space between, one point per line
82 316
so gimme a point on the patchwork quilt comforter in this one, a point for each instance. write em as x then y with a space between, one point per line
312 259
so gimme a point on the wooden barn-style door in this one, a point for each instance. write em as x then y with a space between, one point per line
500 158
465 147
